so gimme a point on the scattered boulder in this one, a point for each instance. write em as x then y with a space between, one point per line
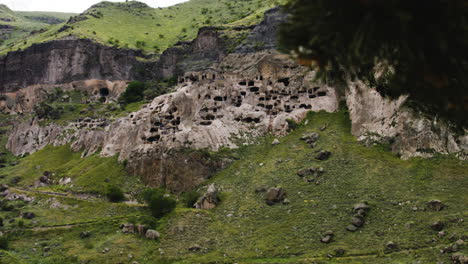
260 190
357 221
361 206
28 215
152 234
391 245
327 237
275 195
435 205
459 258
316 171
339 252
195 248
275 142
437 226
141 229
3 187
310 138
128 228
44 179
352 228
16 180
85 234
323 155
209 200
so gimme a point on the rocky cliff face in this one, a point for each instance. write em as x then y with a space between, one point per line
377 119
223 100
209 110
65 61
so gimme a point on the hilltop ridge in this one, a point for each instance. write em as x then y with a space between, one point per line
135 25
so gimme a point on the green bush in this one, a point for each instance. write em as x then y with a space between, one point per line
4 242
115 194
292 124
190 198
133 93
158 204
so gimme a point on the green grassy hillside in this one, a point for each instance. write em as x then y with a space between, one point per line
244 229
135 25
16 26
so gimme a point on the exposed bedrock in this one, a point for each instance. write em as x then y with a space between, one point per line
412 134
209 110
64 61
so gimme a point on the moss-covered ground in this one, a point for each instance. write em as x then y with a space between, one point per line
244 229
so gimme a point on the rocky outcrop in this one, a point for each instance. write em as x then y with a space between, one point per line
64 61
209 110
26 98
264 36
378 119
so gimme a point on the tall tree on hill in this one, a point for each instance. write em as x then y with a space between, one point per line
421 46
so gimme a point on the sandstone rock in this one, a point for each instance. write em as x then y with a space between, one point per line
28 215
391 245
326 239
152 234
3 187
381 119
323 155
437 226
85 234
339 252
260 190
357 221
435 205
351 228
275 142
310 138
128 228
361 206
141 229
209 200
44 179
195 248
275 195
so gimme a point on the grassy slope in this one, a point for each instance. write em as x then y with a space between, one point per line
160 27
58 15
24 26
257 233
91 174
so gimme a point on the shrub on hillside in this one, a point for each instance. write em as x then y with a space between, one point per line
133 93
157 202
190 198
115 194
4 242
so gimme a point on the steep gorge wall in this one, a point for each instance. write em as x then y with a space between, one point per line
223 100
65 61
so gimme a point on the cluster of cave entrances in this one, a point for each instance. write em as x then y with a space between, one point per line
216 92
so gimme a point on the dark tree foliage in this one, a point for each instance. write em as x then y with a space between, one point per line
115 194
423 43
133 93
158 203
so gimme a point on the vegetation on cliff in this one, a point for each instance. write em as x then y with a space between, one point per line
243 228
398 46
